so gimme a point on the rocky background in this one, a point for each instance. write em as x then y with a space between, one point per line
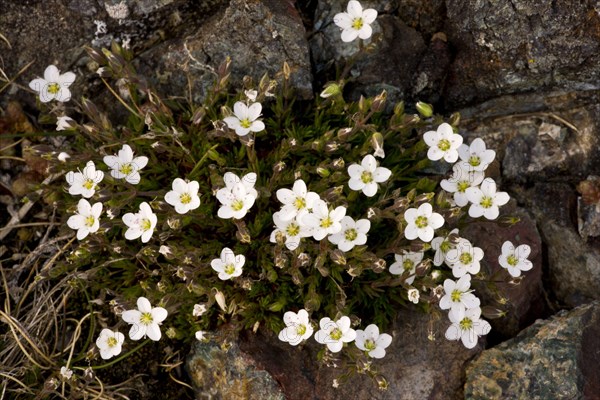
525 76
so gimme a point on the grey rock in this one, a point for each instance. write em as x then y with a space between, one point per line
506 47
552 359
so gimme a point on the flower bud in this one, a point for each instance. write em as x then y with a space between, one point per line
377 143
331 89
426 110
220 299
323 172
379 102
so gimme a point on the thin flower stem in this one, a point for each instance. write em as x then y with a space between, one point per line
116 360
199 163
131 110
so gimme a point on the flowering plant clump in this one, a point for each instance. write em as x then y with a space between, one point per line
272 223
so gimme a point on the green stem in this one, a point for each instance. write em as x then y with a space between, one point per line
199 163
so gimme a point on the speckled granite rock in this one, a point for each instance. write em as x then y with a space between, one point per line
552 359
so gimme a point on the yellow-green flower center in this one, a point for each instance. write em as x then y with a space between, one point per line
370 345
366 177
237 205
512 260
456 295
53 88
421 222
486 202
445 246
474 161
350 234
229 269
146 224
336 334
185 198
111 341
299 203
126 169
245 123
326 222
293 229
462 186
301 330
466 324
466 258
444 145
146 318
89 221
357 23
408 264
88 184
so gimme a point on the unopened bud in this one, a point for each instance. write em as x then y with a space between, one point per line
331 89
323 172
377 143
337 256
426 110
379 102
220 299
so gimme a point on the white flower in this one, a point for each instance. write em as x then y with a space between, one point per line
87 219
248 180
184 196
297 200
371 341
164 250
145 320
251 94
292 230
64 123
367 175
228 265
62 156
413 295
443 143
245 119
467 326
200 336
322 221
54 85
464 258
406 262
298 327
457 295
442 245
352 233
140 224
124 165
463 177
199 310
422 222
335 334
356 22
485 200
109 343
515 260
235 203
84 183
476 155
66 373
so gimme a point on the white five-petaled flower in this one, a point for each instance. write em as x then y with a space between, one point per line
467 325
442 245
485 200
515 259
124 165
245 119
464 258
184 196
355 22
199 310
476 155
66 372
353 233
64 123
406 262
109 343
422 222
463 177
458 295
443 143
53 85
298 327
145 320
228 265
371 341
295 201
292 229
200 336
323 222
335 334
87 219
235 203
367 175
141 223
84 183
413 295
